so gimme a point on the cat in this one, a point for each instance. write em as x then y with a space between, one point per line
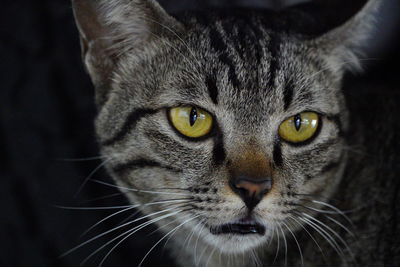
230 131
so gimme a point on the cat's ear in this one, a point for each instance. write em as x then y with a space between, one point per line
343 44
111 28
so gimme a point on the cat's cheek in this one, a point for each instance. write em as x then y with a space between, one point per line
324 185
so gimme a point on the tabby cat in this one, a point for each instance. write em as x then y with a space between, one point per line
228 129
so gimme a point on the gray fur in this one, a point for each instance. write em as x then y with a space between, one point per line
148 62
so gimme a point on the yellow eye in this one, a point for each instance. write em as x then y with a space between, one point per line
299 128
191 121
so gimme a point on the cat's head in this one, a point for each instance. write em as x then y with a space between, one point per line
228 121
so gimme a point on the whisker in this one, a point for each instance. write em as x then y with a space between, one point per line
129 217
312 195
170 235
308 232
190 235
81 159
138 211
335 209
170 188
332 231
201 255
271 237
332 242
104 197
211 254
315 209
91 175
357 150
219 258
257 259
161 227
138 190
278 245
196 243
177 227
285 242
94 208
114 229
178 201
254 258
297 242
126 234
341 225
106 218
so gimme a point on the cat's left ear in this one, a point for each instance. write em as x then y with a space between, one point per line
343 45
109 29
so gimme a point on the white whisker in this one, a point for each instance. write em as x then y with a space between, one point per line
170 236
91 175
190 235
341 225
82 159
335 209
126 234
196 243
94 208
113 229
104 197
278 245
333 232
132 207
285 242
139 190
308 232
297 242
201 255
177 227
332 242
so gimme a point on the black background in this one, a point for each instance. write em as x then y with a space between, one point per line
46 117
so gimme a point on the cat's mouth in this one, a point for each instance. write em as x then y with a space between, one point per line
242 227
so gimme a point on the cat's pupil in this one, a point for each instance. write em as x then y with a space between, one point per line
297 122
193 116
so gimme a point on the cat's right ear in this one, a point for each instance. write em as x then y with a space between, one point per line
111 28
343 44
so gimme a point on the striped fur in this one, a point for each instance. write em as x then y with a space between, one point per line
251 71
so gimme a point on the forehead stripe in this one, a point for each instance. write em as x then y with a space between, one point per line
288 94
217 42
274 48
211 83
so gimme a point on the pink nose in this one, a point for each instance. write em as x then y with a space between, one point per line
251 191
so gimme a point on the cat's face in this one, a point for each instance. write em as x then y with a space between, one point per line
241 181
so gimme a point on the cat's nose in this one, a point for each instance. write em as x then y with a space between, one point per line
251 191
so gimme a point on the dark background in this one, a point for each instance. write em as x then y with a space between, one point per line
46 118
